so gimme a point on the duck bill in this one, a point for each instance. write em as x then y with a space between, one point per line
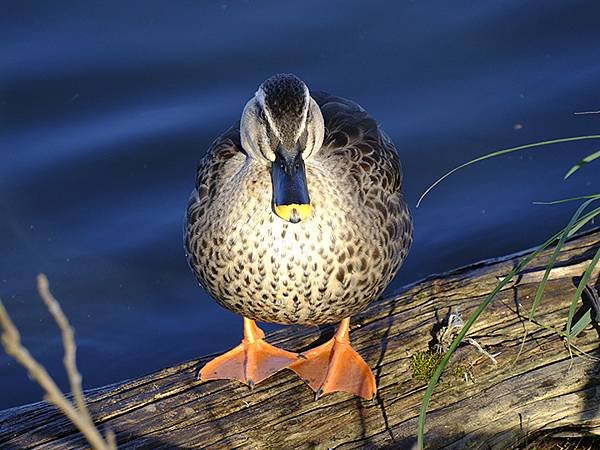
291 201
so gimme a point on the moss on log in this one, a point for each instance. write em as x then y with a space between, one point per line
536 388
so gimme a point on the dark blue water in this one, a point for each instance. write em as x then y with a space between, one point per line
106 107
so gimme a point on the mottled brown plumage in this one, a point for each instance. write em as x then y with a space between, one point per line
319 270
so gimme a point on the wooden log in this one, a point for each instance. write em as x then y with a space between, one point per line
541 390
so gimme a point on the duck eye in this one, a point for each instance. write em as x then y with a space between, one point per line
261 115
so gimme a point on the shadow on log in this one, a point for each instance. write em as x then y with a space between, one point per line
540 391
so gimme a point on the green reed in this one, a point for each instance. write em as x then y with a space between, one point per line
579 219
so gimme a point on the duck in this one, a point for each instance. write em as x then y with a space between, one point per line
298 217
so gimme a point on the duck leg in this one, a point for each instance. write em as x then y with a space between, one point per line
336 366
251 362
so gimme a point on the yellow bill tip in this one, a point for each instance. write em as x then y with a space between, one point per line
294 213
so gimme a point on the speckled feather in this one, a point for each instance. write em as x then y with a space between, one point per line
322 269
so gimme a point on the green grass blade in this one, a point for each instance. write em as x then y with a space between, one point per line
588 159
456 342
583 221
503 152
565 200
563 237
582 283
581 324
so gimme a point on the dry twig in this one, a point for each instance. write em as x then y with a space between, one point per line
78 412
452 325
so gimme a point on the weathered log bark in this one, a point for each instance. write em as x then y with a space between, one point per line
540 390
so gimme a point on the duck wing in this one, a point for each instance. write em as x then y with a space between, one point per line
350 132
222 160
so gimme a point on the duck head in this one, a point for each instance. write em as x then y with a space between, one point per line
282 126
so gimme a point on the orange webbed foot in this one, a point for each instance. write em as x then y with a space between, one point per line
336 366
251 362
